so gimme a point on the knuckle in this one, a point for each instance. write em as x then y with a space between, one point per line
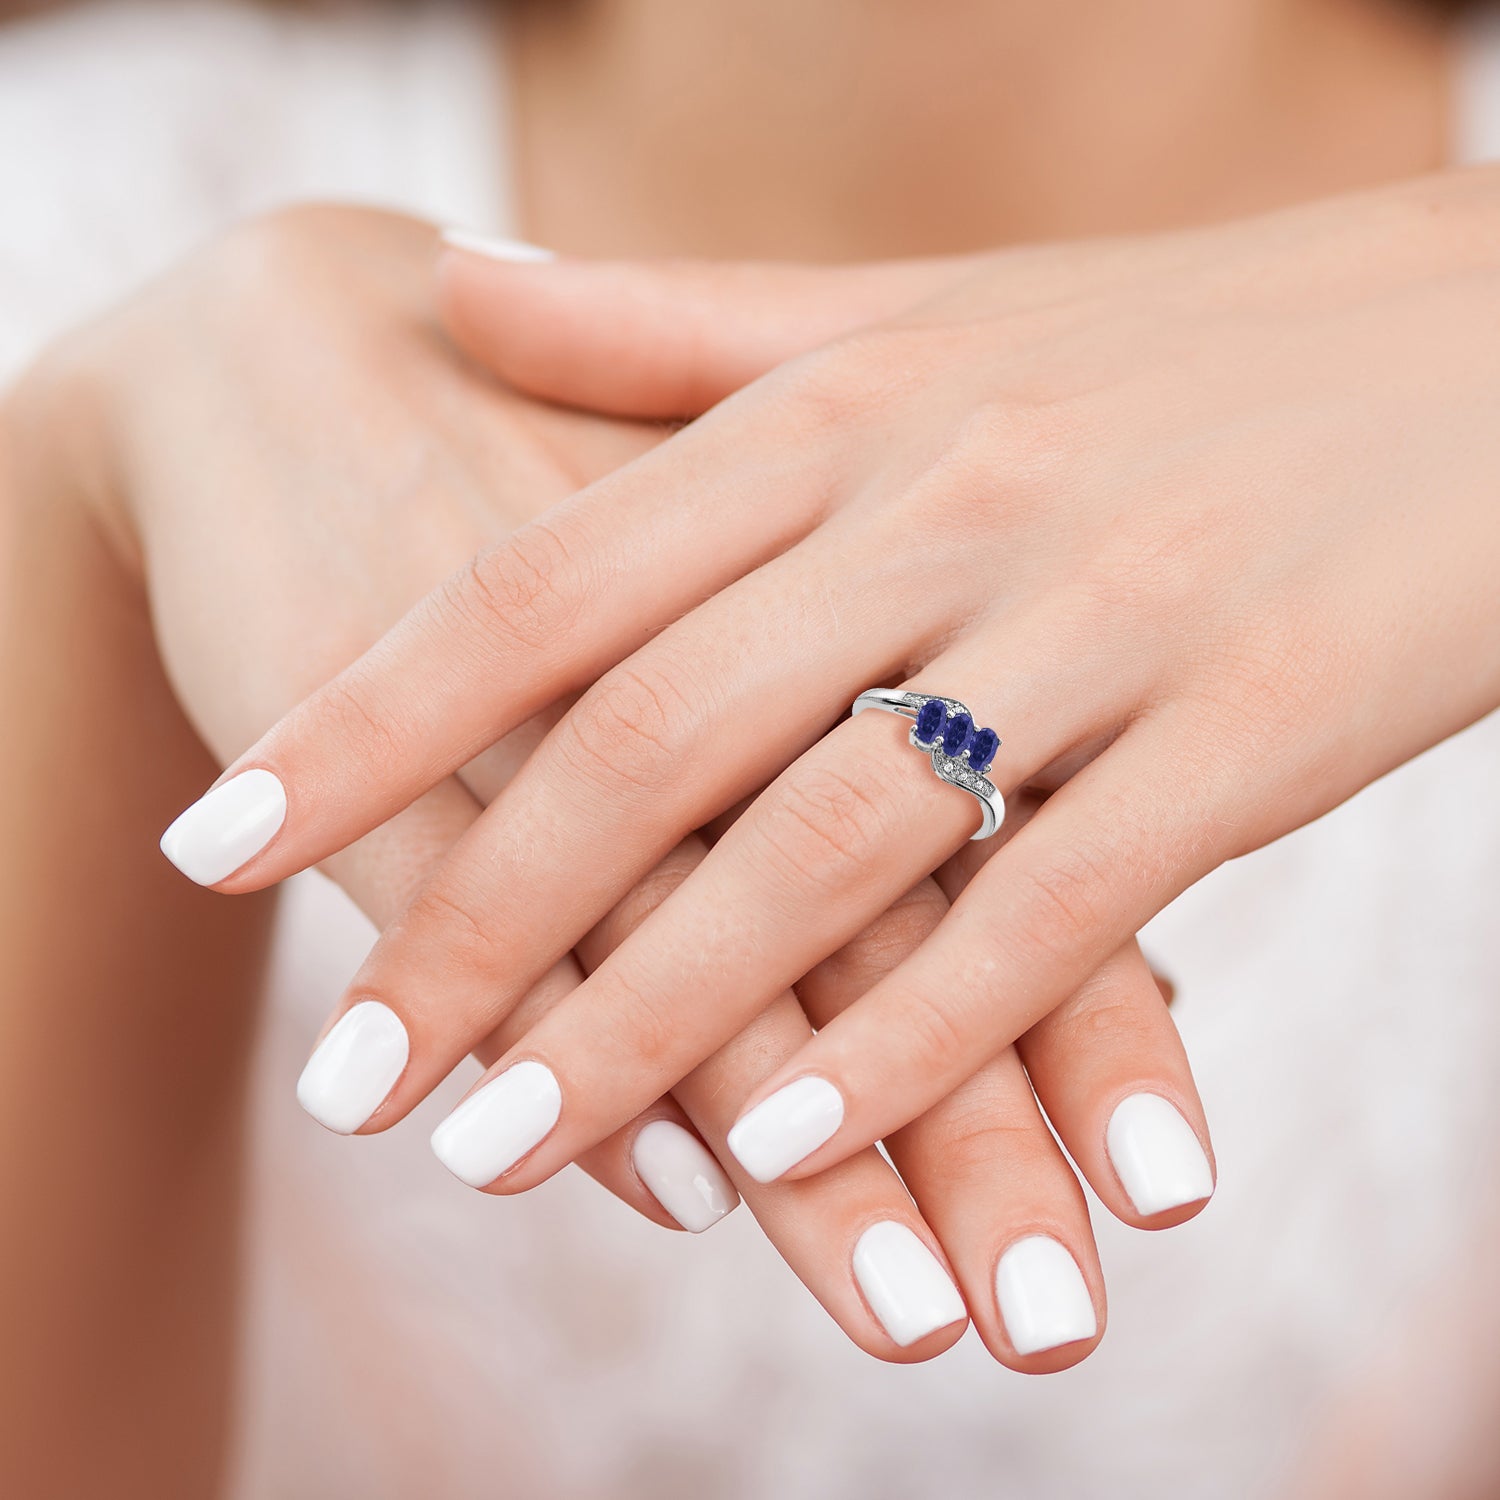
977 1138
934 1035
1002 460
634 727
642 1023
751 1055
1064 901
374 739
451 921
1023 432
648 893
851 381
825 824
890 939
521 595
1102 1018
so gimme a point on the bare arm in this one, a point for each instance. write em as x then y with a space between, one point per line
125 1008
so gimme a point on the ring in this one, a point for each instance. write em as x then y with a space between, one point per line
961 753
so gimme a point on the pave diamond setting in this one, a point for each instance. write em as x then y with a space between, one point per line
944 726
961 752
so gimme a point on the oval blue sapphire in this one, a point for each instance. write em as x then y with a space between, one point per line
982 750
931 718
957 733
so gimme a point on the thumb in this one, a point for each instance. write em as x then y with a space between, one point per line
664 338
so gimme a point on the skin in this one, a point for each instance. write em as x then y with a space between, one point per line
177 538
152 1238
815 135
1217 621
495 469
121 1094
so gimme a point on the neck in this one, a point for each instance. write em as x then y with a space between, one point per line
845 130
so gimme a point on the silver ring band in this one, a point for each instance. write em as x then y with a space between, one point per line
961 752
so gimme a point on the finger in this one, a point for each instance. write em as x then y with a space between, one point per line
1111 1069
989 1176
657 1164
1112 1074
986 1174
660 338
852 1235
544 614
379 874
798 875
1103 856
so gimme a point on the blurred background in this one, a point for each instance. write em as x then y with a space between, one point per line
1329 1327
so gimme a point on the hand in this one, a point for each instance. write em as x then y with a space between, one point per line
1181 508
1152 507
285 458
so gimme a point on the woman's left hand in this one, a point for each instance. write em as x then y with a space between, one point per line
1205 525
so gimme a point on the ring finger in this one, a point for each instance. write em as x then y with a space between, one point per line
852 1235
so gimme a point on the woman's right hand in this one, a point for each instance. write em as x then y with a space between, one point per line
282 449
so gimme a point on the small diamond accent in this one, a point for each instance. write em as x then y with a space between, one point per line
931 732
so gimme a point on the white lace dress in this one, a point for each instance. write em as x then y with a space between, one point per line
411 1338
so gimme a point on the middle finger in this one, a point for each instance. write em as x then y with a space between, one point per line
654 750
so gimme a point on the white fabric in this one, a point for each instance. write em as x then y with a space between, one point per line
409 1337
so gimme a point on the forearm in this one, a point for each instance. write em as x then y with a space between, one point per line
125 1008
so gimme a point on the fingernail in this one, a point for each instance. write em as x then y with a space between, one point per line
682 1175
355 1066
226 826
492 1130
906 1286
1156 1155
1043 1297
781 1130
516 252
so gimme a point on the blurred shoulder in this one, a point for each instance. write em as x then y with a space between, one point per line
131 130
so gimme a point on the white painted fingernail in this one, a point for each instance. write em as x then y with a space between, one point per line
516 252
226 826
1042 1295
1157 1155
355 1066
904 1283
781 1130
493 1129
682 1175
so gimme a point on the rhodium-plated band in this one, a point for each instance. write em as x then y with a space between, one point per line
961 752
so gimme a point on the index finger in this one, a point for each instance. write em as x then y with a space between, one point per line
543 614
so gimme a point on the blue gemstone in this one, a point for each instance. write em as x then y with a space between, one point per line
931 718
957 733
982 749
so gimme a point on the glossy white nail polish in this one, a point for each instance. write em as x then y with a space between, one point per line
905 1284
781 1130
1156 1155
355 1066
494 1128
226 826
515 252
1043 1297
682 1175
